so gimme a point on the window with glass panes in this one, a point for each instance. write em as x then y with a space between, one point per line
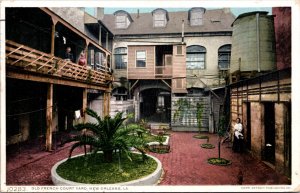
196 18
120 58
140 58
224 54
121 22
195 57
159 20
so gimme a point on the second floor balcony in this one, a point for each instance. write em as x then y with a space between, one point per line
23 58
42 46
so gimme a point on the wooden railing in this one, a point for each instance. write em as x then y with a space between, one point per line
163 71
26 58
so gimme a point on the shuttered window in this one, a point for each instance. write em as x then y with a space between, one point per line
179 50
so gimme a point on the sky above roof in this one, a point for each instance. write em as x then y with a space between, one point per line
236 11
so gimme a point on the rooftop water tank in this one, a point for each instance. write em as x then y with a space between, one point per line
253 43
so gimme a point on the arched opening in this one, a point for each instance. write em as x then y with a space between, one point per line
195 57
155 105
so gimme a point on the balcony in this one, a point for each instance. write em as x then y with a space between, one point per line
24 58
163 71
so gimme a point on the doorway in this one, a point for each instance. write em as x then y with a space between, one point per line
155 105
269 123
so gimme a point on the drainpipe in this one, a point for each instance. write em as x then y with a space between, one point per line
182 31
257 42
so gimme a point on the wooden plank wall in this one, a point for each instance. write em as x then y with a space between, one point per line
179 70
141 73
265 91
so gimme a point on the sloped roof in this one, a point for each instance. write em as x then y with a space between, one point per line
217 20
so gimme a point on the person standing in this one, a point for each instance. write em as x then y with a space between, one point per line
238 136
82 59
69 55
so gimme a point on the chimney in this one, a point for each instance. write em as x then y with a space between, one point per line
226 10
100 13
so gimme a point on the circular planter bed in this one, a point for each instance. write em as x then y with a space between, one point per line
94 172
201 136
159 148
219 161
207 146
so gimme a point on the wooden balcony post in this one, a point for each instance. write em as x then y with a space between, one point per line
54 21
100 35
104 104
106 46
49 117
106 101
84 102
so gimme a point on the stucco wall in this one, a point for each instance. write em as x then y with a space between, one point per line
96 105
208 76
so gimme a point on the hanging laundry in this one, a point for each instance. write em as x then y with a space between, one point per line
77 114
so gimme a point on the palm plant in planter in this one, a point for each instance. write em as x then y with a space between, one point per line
108 135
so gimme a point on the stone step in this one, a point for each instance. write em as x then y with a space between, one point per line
160 125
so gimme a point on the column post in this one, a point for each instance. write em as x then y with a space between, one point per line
84 103
54 21
49 110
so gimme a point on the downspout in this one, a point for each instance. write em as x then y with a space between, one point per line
182 32
257 42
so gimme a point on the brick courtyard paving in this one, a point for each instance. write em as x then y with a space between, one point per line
186 164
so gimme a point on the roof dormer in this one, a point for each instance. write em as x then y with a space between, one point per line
122 19
160 17
195 16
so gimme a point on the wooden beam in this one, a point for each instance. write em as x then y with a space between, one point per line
53 80
53 35
166 83
133 85
49 117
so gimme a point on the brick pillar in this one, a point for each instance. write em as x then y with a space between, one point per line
280 117
257 125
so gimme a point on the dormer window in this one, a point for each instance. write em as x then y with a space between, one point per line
196 16
160 17
122 19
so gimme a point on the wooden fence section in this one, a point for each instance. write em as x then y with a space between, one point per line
25 58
